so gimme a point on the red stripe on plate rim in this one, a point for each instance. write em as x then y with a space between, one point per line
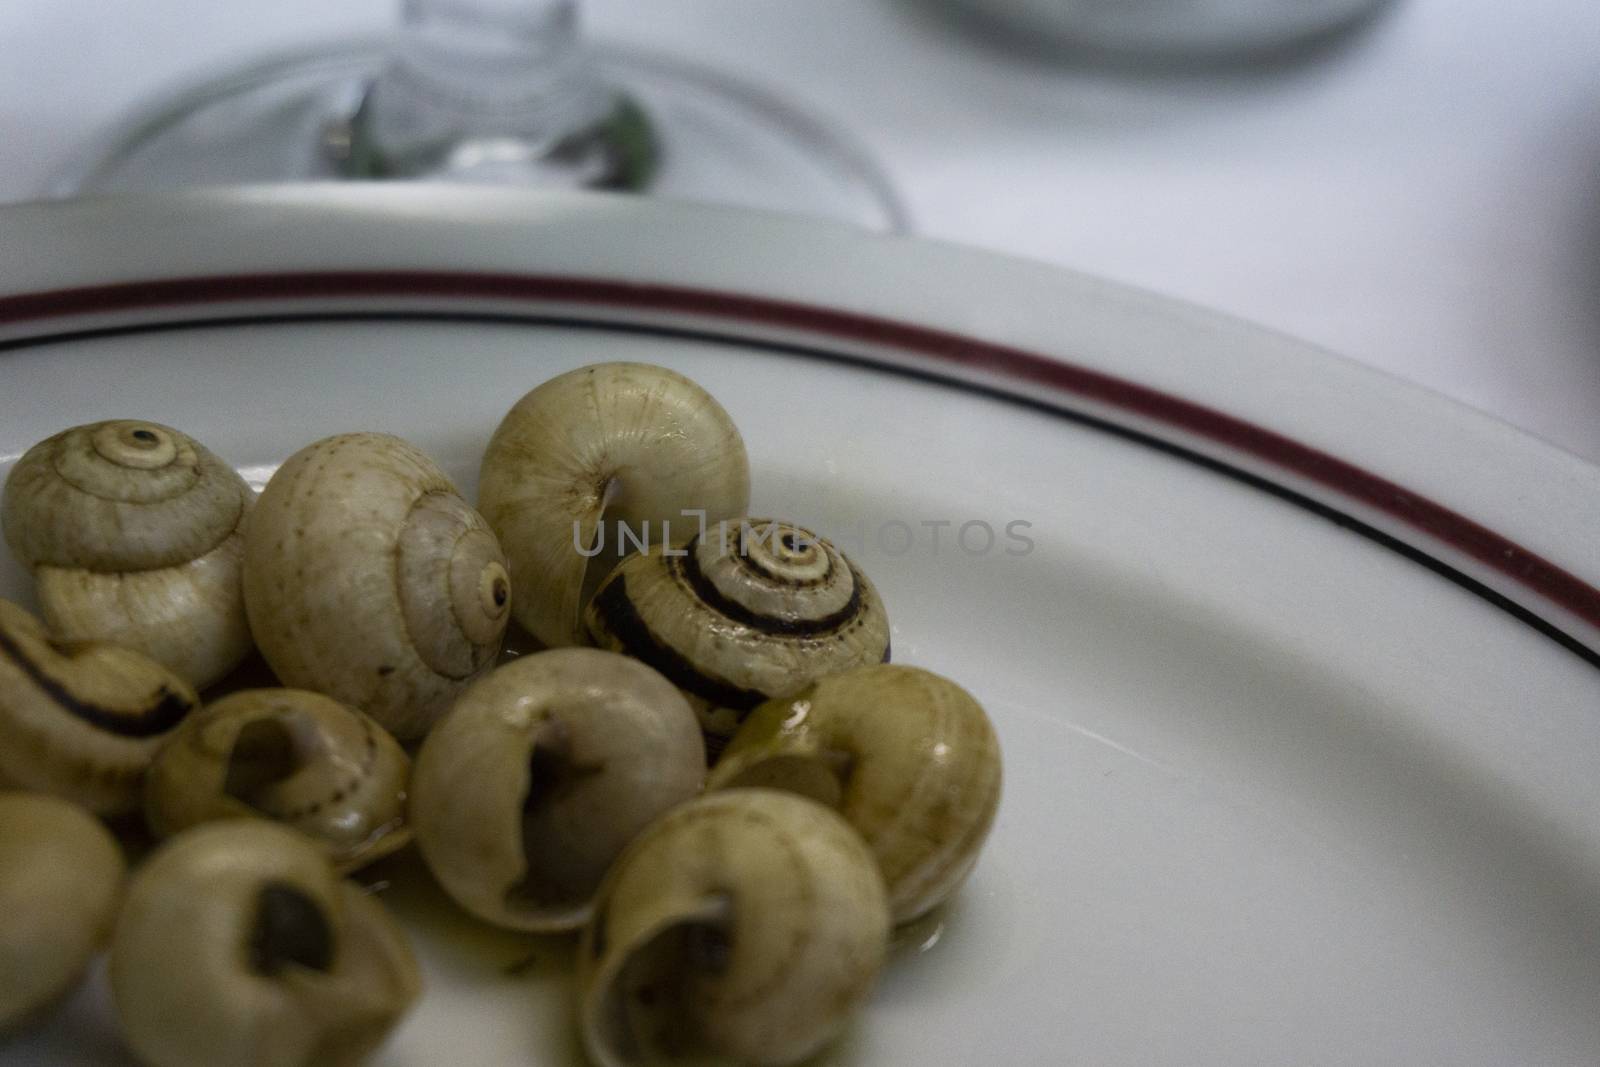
1466 536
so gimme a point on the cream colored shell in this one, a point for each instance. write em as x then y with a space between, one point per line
907 757
60 882
745 927
368 578
750 611
81 721
292 756
239 944
626 442
131 529
539 777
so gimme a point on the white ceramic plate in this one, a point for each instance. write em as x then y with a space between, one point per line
1298 684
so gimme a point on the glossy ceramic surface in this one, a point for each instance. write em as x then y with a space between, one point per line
1293 666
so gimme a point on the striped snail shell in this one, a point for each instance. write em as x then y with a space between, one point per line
369 579
81 721
292 756
132 532
750 611
628 443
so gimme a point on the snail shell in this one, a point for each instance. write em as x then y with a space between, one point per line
743 927
369 579
132 532
81 721
627 442
907 757
239 944
541 774
60 881
290 755
751 611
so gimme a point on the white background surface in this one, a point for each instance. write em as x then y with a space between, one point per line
1424 198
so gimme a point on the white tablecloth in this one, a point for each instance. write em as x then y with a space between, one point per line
1425 198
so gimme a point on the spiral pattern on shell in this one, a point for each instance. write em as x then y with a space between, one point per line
368 578
749 611
628 443
120 496
132 532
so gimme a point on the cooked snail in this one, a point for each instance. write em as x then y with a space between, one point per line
81 721
239 944
908 758
541 774
743 927
290 755
60 879
369 579
131 530
626 442
750 611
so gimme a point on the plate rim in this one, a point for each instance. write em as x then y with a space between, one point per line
1302 474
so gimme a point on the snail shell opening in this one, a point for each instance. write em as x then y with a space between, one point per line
239 943
909 759
746 926
540 775
291 756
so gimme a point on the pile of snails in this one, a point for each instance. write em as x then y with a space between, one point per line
710 772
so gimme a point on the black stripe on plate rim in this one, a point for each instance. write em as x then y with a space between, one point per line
732 339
